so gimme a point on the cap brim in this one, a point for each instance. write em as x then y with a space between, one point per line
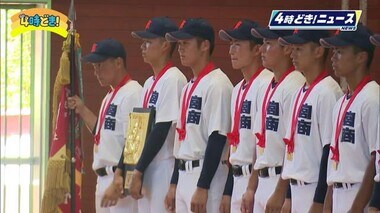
228 35
332 42
94 58
263 33
283 42
178 35
143 34
225 35
375 40
293 39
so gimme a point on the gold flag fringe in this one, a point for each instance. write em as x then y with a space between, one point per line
57 182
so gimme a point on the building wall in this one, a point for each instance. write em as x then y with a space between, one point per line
98 19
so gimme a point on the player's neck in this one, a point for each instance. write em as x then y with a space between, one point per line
159 65
198 67
312 73
280 69
354 79
119 76
250 70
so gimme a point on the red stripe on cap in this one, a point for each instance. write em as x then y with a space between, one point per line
148 24
93 48
237 25
182 24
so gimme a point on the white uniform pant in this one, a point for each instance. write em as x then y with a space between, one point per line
265 189
156 183
302 196
344 197
240 186
127 204
187 184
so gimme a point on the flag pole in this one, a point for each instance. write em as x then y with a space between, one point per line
72 111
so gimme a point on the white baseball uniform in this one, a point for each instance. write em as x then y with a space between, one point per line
111 143
277 113
165 99
207 112
312 133
356 141
245 150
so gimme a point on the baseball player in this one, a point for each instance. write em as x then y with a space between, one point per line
200 141
374 204
162 92
109 60
269 126
245 55
308 132
355 121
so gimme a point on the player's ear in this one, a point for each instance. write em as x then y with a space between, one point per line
362 57
287 49
256 50
165 46
205 45
119 62
319 51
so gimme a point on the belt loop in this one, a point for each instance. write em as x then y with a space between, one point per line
347 185
109 170
272 171
245 170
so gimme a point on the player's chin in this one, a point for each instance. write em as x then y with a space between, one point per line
235 65
184 62
145 59
297 67
266 64
338 73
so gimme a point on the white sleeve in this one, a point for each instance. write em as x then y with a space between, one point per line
287 106
326 103
257 123
217 108
288 121
168 108
370 113
127 105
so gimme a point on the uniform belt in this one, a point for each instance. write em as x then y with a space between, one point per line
342 185
237 171
182 164
103 171
298 182
264 172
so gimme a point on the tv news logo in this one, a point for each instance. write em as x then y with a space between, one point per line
344 20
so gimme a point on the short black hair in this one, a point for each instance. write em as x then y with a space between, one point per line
370 54
173 46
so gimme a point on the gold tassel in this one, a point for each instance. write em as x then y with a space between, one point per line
57 184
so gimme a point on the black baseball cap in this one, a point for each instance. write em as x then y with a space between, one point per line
304 36
102 50
191 28
156 27
375 40
261 32
359 38
241 31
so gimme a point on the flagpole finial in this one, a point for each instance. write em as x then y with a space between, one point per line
72 17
